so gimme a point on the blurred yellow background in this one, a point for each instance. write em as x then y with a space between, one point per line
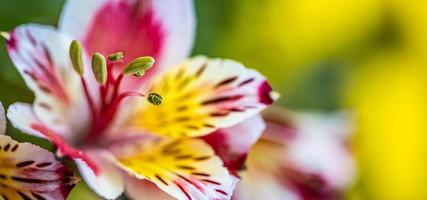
321 55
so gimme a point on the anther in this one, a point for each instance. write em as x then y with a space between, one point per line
116 56
76 56
155 99
99 68
138 66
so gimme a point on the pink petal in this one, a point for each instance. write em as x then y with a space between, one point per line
162 29
232 144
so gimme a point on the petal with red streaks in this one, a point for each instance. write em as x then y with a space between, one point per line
202 95
30 172
186 169
233 144
40 54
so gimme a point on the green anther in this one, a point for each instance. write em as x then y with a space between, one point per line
155 99
99 68
116 56
76 56
138 66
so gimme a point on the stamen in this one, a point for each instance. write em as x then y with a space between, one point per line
116 56
99 68
110 95
155 99
76 56
138 66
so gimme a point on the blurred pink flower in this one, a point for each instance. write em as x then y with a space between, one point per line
112 137
300 156
30 172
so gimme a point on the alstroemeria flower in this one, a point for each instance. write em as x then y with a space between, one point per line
300 156
103 123
30 172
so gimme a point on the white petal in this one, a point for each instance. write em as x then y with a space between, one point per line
22 117
2 120
106 180
326 157
242 136
40 54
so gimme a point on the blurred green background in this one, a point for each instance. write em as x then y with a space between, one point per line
367 56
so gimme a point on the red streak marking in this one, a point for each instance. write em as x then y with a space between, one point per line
211 181
41 65
49 78
197 185
183 190
221 191
64 147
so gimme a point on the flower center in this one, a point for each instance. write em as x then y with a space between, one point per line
110 97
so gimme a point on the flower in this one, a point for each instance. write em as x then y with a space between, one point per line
308 158
30 172
114 139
